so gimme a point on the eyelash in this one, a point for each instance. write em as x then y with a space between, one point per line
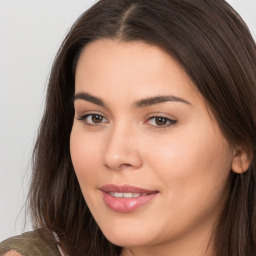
84 119
170 122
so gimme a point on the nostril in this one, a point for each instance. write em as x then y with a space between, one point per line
120 155
119 167
123 166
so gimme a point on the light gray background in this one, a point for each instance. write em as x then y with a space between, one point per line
30 34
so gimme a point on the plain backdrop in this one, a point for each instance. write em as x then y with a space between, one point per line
30 34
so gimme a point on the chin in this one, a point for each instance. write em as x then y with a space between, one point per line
123 238
126 241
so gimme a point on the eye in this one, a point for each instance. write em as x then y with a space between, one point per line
93 119
161 122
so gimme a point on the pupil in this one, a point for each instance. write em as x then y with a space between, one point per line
160 121
96 118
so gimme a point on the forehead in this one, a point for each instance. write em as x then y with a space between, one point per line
134 68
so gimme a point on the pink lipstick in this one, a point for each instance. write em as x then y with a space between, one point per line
126 198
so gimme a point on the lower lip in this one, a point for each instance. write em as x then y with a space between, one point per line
121 204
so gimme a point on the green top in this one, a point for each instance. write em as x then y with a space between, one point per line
35 243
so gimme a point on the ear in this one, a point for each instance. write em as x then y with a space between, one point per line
241 160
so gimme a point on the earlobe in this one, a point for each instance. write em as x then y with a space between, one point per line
241 161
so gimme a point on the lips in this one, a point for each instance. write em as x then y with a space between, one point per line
126 198
126 195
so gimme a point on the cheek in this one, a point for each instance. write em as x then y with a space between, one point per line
85 152
193 170
192 162
85 155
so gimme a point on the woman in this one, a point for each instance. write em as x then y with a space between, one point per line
147 144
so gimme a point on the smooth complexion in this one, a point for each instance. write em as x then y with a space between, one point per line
140 121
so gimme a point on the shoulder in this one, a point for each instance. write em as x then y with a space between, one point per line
34 243
12 253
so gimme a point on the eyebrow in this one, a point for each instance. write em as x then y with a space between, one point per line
138 104
159 99
90 98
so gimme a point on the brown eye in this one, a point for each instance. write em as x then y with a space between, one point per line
161 122
96 118
93 119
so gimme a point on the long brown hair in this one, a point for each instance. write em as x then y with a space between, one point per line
214 46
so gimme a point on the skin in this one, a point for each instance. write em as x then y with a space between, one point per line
187 162
12 253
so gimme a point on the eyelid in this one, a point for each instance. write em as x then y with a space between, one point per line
84 116
172 121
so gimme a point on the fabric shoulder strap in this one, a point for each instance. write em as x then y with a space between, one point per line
35 243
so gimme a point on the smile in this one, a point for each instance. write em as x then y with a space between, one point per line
126 195
126 198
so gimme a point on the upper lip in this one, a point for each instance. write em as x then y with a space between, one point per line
125 189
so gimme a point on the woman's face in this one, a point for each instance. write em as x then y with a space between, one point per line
151 162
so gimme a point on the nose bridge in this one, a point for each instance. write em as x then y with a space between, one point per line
121 149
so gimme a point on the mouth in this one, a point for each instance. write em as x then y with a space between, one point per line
126 198
126 195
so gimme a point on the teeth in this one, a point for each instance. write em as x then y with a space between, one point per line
117 194
126 195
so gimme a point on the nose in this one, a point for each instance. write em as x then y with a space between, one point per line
122 151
